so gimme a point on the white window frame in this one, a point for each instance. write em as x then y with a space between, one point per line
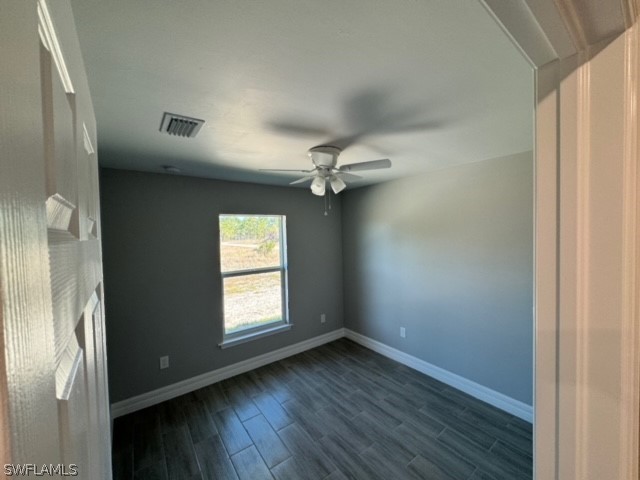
253 333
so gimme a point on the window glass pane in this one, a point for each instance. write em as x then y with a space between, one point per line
252 300
248 242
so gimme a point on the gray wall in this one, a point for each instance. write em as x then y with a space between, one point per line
162 280
448 256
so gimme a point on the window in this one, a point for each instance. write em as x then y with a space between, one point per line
253 265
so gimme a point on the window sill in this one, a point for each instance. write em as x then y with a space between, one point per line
254 336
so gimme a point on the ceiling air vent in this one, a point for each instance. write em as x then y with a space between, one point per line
180 125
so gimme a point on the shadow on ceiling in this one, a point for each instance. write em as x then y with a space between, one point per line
368 113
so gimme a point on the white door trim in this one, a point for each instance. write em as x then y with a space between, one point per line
546 281
630 355
587 211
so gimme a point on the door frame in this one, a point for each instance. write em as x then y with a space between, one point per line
558 40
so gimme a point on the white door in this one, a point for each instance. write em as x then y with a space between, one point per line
53 379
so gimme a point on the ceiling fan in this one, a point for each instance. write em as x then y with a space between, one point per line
325 159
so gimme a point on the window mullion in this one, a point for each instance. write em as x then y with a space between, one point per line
251 271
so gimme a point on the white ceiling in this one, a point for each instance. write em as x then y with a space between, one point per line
426 83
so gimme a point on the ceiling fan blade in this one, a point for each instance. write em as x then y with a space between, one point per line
372 165
350 177
302 180
283 170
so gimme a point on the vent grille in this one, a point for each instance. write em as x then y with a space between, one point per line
180 125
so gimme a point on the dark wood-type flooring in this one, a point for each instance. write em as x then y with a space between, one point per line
337 411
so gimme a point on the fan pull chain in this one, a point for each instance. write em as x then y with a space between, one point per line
326 195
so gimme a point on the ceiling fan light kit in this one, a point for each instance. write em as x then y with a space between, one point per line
337 185
325 160
318 186
325 169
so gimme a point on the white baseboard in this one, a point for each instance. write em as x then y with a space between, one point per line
497 399
175 390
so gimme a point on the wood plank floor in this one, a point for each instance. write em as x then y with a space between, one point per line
337 411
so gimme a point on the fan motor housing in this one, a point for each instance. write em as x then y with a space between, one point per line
324 156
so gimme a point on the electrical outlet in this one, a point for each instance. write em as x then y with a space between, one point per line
164 362
323 317
403 332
